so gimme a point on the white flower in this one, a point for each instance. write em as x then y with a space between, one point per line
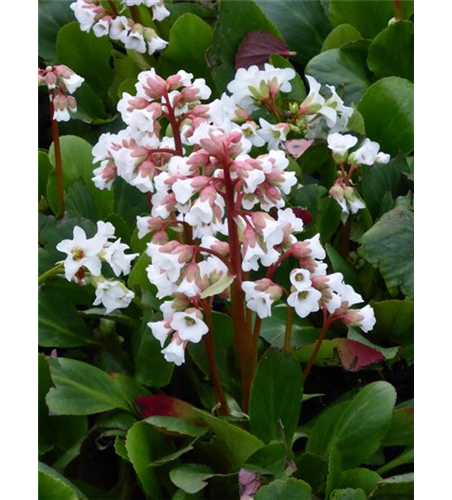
250 131
81 252
340 144
156 44
183 190
204 91
118 260
174 352
135 41
160 330
119 28
363 318
61 115
159 11
112 295
305 302
189 325
200 213
368 154
159 278
251 259
287 217
105 230
300 279
104 175
101 28
272 134
317 251
258 301
348 296
84 13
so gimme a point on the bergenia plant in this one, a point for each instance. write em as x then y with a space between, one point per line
225 241
225 205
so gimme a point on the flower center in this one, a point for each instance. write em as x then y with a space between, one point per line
302 295
299 277
189 321
77 253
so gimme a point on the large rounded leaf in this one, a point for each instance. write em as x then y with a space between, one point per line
356 427
388 245
82 389
368 17
292 489
303 25
345 68
392 51
388 111
190 37
275 403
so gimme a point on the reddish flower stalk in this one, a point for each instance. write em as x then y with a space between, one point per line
327 320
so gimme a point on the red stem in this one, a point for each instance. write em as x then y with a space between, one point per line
327 320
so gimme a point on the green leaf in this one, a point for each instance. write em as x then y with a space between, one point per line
144 445
190 37
292 489
387 109
348 494
191 477
235 20
52 15
80 201
51 488
218 287
395 324
303 25
275 404
341 35
401 430
313 470
54 490
360 477
334 471
236 444
77 161
355 428
138 276
177 426
271 459
340 265
59 323
44 168
82 389
151 369
345 68
129 202
368 17
224 349
87 55
399 487
406 457
384 180
388 245
392 51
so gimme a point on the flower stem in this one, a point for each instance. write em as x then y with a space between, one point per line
242 330
327 320
209 344
51 272
288 332
58 163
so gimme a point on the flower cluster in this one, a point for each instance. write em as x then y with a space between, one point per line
60 81
91 14
368 153
84 261
224 202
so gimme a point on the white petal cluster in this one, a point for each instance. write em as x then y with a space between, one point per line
86 255
91 14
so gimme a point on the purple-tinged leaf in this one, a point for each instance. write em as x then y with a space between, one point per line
354 355
256 49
